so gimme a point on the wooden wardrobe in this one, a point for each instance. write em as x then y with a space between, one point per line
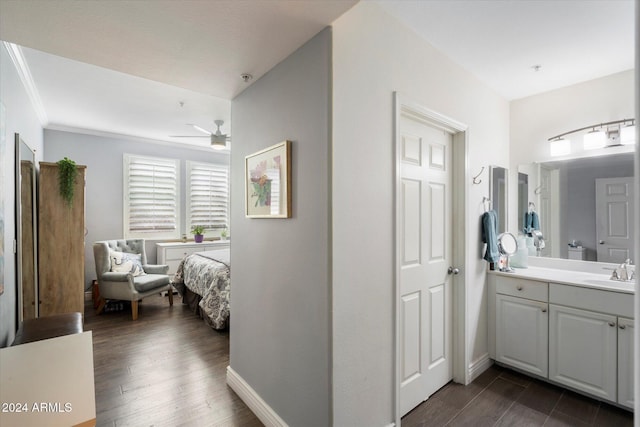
60 244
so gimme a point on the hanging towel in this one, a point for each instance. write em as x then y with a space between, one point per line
531 222
489 236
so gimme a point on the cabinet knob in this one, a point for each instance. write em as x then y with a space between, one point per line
519 287
622 327
612 324
544 310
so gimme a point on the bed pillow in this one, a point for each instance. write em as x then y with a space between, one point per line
124 262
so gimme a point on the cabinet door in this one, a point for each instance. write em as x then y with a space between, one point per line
625 361
582 350
60 244
522 334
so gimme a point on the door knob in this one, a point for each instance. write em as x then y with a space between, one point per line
452 270
601 242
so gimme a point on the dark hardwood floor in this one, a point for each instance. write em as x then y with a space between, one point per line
502 397
168 368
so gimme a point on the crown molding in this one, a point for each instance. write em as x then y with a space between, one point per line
21 66
121 136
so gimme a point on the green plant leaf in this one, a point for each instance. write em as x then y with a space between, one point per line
67 172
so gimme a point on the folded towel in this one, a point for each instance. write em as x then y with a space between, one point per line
531 222
489 235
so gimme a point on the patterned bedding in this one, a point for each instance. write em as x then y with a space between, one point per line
208 275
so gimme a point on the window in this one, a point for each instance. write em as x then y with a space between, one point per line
151 193
208 198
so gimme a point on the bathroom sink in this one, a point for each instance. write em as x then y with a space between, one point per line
610 283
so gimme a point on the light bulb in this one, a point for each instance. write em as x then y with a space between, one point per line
628 135
560 147
595 139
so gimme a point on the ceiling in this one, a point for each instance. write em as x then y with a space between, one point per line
149 68
501 41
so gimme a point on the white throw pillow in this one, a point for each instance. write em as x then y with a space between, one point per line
124 262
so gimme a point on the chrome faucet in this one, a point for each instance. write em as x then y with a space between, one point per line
623 273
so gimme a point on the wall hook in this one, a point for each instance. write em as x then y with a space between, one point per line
475 178
486 203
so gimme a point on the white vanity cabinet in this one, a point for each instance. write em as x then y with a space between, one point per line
585 341
582 350
171 253
522 323
625 361
573 335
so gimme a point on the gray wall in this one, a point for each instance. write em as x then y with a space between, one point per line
103 157
280 340
20 118
578 198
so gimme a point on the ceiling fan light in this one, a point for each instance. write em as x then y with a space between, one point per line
594 140
560 147
628 135
218 144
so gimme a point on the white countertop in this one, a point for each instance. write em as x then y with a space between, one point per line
571 277
48 383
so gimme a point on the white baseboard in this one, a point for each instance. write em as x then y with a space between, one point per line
478 366
263 411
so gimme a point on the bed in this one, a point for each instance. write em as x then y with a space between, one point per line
203 279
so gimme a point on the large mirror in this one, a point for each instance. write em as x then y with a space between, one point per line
498 184
585 206
26 271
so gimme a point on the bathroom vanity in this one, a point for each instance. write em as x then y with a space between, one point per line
572 326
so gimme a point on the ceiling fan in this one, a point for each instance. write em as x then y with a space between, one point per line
218 139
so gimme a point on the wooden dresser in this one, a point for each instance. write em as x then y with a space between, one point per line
172 253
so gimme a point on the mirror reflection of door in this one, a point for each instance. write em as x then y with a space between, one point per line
499 195
614 214
523 199
25 231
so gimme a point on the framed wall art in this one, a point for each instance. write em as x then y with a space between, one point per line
268 182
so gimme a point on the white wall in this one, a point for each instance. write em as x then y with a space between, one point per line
281 292
373 56
20 118
103 157
537 118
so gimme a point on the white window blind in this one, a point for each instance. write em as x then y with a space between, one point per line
208 200
151 197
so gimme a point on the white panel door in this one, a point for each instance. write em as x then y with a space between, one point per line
582 350
614 219
425 254
625 362
522 334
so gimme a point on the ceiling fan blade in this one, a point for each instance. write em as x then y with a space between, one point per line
208 132
189 136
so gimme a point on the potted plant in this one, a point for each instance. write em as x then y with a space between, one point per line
224 233
67 172
198 233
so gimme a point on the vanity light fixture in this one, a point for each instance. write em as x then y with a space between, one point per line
560 147
609 134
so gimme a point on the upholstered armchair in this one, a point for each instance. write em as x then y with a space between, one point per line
123 273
